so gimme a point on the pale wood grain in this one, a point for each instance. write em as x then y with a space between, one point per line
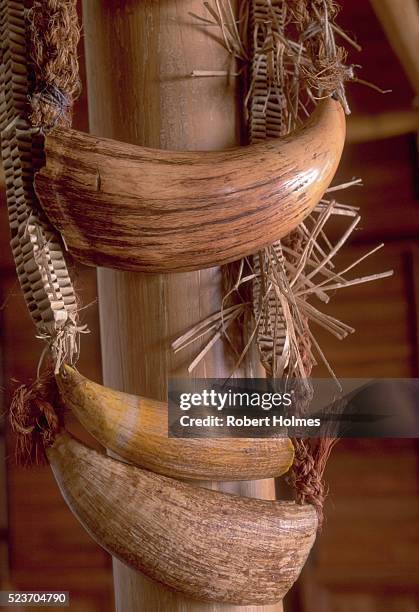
139 56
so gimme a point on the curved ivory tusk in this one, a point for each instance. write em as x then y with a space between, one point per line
209 545
135 428
134 208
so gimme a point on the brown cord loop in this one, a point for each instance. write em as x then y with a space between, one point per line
34 419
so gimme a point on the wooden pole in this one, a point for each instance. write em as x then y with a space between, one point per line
400 21
140 55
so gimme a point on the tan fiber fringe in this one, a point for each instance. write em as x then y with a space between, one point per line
285 80
288 51
37 248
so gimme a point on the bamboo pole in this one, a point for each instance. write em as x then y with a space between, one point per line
140 54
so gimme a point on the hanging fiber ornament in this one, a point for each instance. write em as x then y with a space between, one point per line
277 75
38 250
289 54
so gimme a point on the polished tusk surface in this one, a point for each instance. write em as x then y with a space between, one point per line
135 428
148 210
208 545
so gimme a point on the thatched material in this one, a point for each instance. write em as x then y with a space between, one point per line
290 59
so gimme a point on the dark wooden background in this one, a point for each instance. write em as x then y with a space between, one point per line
367 559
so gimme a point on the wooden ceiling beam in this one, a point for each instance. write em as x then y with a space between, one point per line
400 21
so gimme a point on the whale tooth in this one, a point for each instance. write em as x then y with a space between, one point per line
209 545
135 428
149 210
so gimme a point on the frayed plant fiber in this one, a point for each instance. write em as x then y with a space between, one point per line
287 52
55 34
38 84
307 473
36 416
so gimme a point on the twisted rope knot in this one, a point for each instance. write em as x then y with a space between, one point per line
34 419
309 485
50 107
306 476
55 34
